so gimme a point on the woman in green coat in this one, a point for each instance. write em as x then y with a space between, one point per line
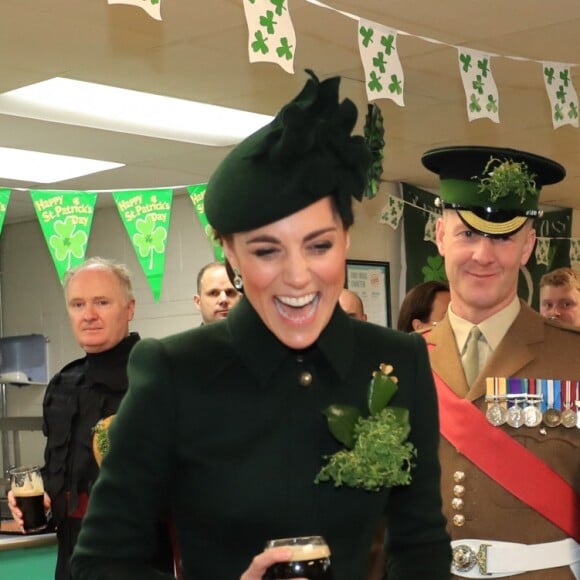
239 429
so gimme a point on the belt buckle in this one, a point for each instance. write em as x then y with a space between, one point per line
465 558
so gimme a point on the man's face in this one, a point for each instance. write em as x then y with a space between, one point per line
217 295
482 272
351 305
561 303
99 309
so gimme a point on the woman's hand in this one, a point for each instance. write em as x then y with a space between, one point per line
263 561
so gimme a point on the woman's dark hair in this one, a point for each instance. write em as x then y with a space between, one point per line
418 303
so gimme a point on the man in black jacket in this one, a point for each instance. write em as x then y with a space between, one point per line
100 304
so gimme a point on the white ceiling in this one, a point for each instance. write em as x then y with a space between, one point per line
199 52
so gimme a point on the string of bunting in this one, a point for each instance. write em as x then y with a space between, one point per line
392 214
66 217
272 38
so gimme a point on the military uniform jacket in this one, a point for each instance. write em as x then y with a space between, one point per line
535 348
224 423
84 391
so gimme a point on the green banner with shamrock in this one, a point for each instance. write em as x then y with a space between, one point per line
4 199
65 220
424 262
196 194
146 215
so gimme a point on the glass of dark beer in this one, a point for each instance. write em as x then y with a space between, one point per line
28 489
310 559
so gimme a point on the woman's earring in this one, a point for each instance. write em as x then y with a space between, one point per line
238 282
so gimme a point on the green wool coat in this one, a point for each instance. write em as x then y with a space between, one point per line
218 432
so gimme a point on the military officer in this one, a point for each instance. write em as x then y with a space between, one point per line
506 377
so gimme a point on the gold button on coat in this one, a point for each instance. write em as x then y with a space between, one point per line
457 503
305 379
458 520
458 490
459 476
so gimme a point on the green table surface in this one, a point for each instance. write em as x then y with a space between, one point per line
29 561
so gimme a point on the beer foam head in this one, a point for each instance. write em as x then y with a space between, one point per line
26 483
309 552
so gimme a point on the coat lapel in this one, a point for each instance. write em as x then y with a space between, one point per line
513 353
445 358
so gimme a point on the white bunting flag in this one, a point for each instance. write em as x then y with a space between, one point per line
152 7
384 77
392 213
542 250
563 97
575 251
481 94
271 36
430 227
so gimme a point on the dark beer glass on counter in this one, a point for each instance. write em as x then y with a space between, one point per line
310 559
28 489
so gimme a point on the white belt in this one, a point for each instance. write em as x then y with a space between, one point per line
491 559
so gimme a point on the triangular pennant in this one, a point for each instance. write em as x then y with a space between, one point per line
392 213
430 226
481 93
271 36
65 219
152 7
542 251
146 215
196 194
4 199
563 97
384 77
574 251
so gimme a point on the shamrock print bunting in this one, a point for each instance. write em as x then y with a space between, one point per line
542 251
271 36
430 227
392 213
384 77
563 97
480 88
575 251
152 7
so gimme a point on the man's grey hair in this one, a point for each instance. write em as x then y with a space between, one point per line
121 272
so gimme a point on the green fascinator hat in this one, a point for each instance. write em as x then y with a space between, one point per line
494 190
306 153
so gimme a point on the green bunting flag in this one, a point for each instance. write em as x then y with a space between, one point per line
196 194
146 215
65 219
4 199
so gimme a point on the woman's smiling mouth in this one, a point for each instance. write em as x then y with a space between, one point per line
297 309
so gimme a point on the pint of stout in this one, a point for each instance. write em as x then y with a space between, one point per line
310 559
28 489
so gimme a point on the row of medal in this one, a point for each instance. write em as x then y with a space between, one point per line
530 402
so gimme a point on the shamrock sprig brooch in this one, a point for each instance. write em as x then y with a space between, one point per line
506 178
377 453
